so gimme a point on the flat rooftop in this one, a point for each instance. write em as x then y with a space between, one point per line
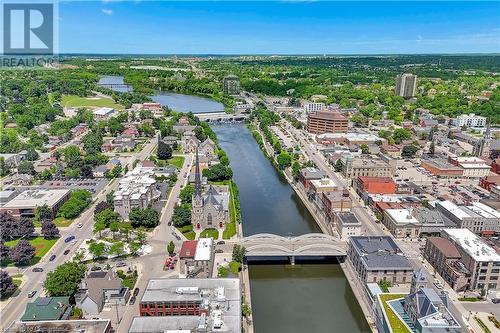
380 252
61 326
182 324
472 244
348 218
204 249
36 198
401 216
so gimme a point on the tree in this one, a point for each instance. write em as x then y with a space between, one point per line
8 226
25 227
148 218
134 247
364 148
218 172
99 226
295 169
78 201
401 134
22 253
171 248
7 286
125 229
4 252
115 172
181 215
92 142
4 169
338 165
114 227
186 194
409 151
86 171
164 151
239 253
140 237
284 160
26 167
31 154
97 249
359 120
43 213
117 249
64 280
49 230
100 207
107 217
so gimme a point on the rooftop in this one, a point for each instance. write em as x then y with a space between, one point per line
204 249
445 246
312 173
37 198
366 179
323 182
348 218
61 326
380 252
327 115
401 216
188 249
135 183
350 136
472 244
47 308
104 111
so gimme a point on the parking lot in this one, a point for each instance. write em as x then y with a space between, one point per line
94 186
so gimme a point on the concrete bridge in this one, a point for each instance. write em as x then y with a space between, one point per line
307 245
221 117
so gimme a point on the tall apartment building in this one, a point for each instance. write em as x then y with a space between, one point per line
314 107
470 120
231 85
406 85
480 259
136 190
326 122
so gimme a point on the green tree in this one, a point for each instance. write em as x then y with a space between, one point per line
43 213
26 167
364 148
401 134
338 165
432 148
64 280
97 249
409 151
117 248
284 160
164 151
99 226
171 248
239 253
186 193
181 215
140 236
148 218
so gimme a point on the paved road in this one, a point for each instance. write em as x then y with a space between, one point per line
152 264
33 281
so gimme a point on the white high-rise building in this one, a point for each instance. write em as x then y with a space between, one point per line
313 107
471 120
406 85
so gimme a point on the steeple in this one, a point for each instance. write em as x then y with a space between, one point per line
197 176
487 134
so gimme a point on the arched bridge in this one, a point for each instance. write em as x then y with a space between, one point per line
221 117
312 245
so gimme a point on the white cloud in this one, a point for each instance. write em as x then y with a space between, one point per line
107 11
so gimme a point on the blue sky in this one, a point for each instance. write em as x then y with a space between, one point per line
286 27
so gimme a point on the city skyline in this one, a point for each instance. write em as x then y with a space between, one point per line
289 28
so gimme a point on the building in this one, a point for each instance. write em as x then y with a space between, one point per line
444 256
378 258
347 225
470 120
441 168
197 257
307 175
314 107
47 308
104 113
352 168
99 288
489 181
192 305
480 259
473 167
423 310
477 217
319 186
209 209
136 190
348 139
483 147
377 185
11 160
406 85
62 326
326 122
26 202
401 223
189 142
335 201
231 85
151 106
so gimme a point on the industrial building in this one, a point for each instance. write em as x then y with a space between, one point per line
26 203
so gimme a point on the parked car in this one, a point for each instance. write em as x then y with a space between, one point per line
79 225
132 300
495 300
219 251
69 239
37 269
121 264
96 268
32 293
52 257
136 291
66 252
221 243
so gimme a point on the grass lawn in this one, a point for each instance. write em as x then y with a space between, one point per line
42 246
210 232
176 161
190 235
229 230
223 272
17 279
469 299
62 222
188 232
72 101
396 324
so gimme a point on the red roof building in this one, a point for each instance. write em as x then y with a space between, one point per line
489 181
375 185
188 249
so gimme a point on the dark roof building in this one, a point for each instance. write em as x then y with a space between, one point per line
47 308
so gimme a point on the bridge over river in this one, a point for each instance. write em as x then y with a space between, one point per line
307 245
222 117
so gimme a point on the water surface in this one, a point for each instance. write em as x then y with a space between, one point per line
188 103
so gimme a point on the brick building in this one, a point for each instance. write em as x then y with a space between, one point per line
379 185
326 122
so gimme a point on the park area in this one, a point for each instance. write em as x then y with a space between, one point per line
41 245
73 101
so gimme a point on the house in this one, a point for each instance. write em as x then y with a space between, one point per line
99 288
306 175
207 148
47 308
18 179
100 171
130 132
11 160
104 113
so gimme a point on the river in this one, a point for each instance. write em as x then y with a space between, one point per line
188 103
312 297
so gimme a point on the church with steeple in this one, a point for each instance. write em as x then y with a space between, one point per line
483 147
210 209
